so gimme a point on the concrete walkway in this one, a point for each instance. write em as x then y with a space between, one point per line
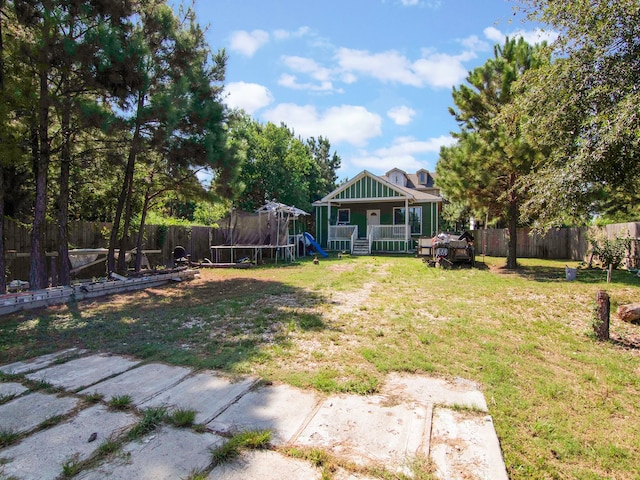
413 416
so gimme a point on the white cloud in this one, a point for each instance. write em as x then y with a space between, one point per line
438 70
348 78
434 4
403 153
378 164
291 81
530 36
308 66
286 34
475 44
247 96
410 146
344 124
442 70
388 66
322 76
402 115
247 43
493 34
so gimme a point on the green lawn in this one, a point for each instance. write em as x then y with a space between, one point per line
563 404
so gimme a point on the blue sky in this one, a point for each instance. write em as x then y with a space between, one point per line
372 76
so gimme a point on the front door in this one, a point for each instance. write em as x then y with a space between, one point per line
373 218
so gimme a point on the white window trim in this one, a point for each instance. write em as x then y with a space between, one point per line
348 210
419 223
394 215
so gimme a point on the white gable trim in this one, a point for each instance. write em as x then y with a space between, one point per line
402 192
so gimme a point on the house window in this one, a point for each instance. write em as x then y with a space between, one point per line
344 216
423 178
415 218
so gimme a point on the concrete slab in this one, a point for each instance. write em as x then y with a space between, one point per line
280 408
26 413
43 455
438 391
84 371
265 465
141 383
206 393
11 389
464 445
38 362
341 474
167 454
369 430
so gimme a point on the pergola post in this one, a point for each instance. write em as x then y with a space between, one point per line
328 224
407 234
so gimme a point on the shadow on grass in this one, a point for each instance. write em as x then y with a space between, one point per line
207 324
627 343
558 274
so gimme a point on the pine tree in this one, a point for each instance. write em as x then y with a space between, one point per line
484 170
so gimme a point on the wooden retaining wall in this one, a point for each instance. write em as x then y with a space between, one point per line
15 302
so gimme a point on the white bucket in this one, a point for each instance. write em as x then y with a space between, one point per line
571 273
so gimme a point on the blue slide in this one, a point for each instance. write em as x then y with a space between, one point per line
315 245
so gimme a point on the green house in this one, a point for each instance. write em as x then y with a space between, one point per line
372 213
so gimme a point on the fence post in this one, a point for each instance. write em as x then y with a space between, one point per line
601 322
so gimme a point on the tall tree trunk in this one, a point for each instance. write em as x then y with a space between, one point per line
3 277
143 219
1 47
38 266
126 191
64 274
512 260
122 259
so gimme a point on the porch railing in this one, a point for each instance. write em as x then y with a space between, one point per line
342 232
354 237
387 232
394 233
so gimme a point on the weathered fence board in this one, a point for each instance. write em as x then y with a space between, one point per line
559 243
82 234
562 243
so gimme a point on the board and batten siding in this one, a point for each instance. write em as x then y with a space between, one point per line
366 187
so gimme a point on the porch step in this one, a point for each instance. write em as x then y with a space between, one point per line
361 247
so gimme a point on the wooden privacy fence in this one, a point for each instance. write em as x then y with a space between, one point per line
558 243
195 240
561 243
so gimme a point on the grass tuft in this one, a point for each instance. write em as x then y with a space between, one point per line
94 397
181 417
8 437
71 467
197 475
247 440
120 402
151 419
50 422
107 448
199 427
